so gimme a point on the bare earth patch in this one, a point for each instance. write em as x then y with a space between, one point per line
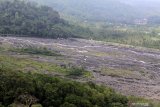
129 70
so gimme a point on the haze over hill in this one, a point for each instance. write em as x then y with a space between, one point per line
114 11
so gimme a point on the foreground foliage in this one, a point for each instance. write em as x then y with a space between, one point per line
28 89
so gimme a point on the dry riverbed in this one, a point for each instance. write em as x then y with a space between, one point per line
129 70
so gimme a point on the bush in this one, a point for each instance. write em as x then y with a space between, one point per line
56 92
75 71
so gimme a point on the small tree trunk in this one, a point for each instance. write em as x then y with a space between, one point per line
30 105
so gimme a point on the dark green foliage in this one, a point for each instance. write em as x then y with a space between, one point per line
76 71
25 18
55 92
75 29
21 18
36 50
1 105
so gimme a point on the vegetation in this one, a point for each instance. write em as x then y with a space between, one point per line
39 22
33 66
23 18
106 11
35 50
93 11
138 101
117 26
23 81
136 36
144 36
29 89
77 71
38 89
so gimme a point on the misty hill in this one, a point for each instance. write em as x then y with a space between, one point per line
115 11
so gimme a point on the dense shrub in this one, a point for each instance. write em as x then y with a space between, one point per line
54 92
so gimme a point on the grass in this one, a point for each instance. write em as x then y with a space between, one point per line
139 101
35 50
1 48
30 65
102 54
21 105
37 105
141 36
118 72
33 66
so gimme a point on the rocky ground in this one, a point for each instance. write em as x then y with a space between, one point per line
129 70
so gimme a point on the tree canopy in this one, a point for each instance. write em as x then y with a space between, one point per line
26 18
28 89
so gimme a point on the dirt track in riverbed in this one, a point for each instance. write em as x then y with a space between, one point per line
131 71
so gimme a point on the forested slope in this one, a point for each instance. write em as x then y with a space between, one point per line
94 10
24 18
108 11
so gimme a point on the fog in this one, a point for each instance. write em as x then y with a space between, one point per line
110 10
